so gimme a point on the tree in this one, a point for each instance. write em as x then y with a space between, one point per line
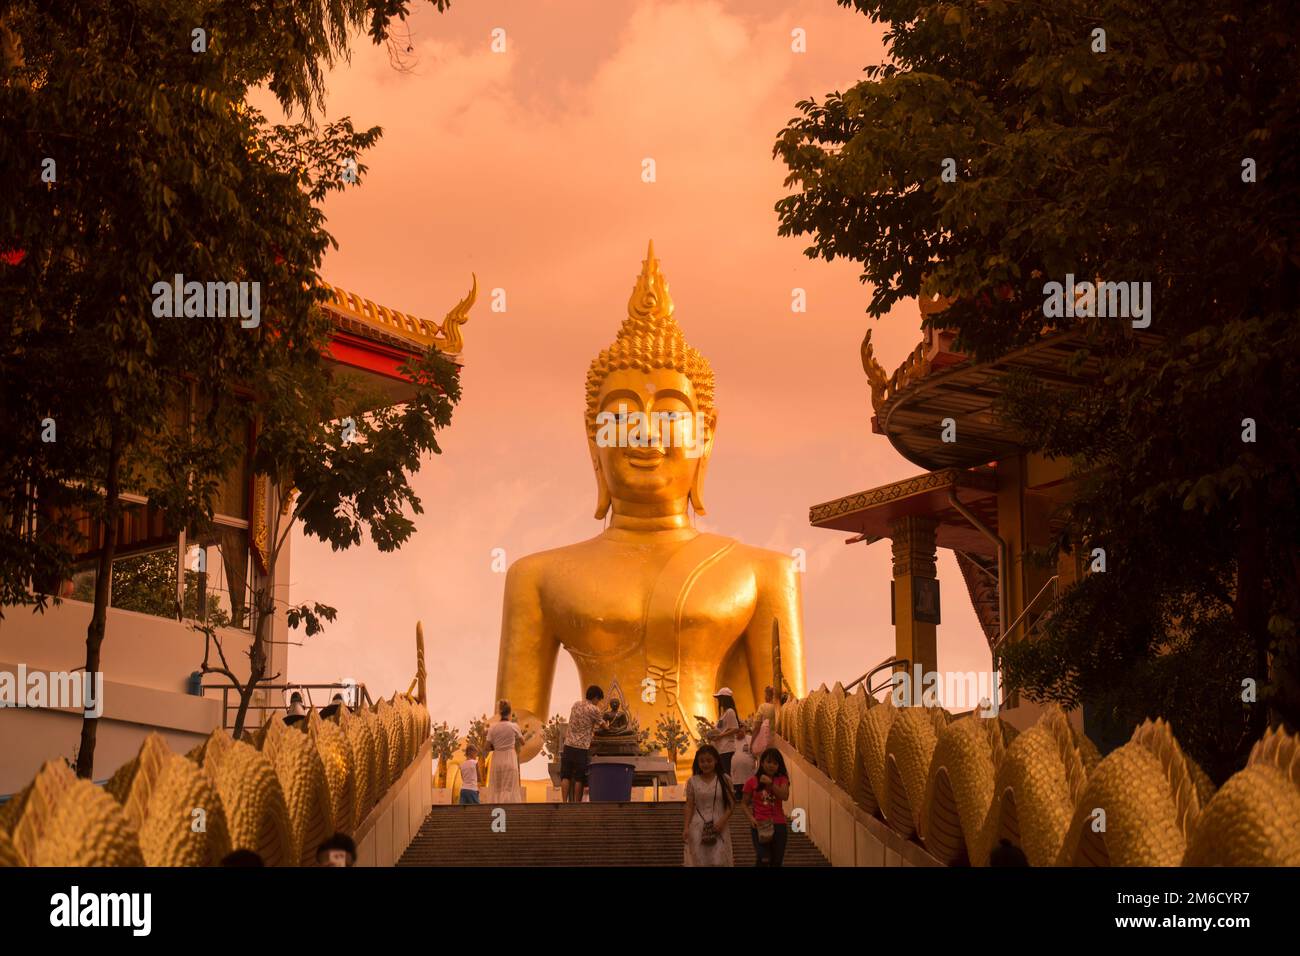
703 728
670 737
349 476
553 737
138 161
477 735
640 735
445 741
1005 145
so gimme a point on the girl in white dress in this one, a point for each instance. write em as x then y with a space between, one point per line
503 775
709 805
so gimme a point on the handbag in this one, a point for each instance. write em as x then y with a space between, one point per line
709 834
766 830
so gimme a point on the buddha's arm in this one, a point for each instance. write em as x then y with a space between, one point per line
779 600
526 664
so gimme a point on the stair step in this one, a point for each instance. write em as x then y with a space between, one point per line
551 834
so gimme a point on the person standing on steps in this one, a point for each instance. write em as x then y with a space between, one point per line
575 755
765 793
706 830
469 776
763 722
503 778
742 765
727 730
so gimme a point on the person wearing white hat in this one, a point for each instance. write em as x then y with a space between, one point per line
726 732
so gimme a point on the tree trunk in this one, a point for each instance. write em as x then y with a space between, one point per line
1250 611
256 660
103 582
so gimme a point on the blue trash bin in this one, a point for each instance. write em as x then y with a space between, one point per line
610 782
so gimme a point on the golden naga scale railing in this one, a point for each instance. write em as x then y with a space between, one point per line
280 792
959 786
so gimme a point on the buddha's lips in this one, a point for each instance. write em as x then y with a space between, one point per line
642 458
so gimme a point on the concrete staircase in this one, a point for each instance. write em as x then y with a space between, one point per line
586 834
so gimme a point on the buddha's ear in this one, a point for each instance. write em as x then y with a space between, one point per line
603 500
702 466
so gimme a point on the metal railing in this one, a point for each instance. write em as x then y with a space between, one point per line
1051 583
891 663
361 696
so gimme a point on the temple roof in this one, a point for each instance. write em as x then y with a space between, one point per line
376 342
378 323
935 383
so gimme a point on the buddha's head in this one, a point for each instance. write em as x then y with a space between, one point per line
650 414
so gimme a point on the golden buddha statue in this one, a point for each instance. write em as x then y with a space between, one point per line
650 602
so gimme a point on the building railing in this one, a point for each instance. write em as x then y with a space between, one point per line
357 692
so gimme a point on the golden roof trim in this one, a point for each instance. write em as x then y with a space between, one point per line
446 337
883 386
915 367
954 478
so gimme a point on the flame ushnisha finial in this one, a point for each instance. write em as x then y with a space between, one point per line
649 339
650 303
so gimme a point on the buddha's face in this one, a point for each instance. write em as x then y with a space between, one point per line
648 439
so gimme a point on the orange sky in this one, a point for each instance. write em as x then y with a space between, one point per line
525 167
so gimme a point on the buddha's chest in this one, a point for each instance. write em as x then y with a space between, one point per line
622 603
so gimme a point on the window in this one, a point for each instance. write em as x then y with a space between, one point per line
144 566
217 577
205 575
218 573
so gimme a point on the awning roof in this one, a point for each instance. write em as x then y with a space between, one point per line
870 512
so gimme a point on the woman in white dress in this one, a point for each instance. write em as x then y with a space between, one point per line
709 805
503 775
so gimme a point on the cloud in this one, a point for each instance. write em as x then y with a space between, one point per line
525 168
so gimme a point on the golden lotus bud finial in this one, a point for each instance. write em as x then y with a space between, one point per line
650 303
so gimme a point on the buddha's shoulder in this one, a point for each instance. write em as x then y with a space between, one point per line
534 566
761 559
